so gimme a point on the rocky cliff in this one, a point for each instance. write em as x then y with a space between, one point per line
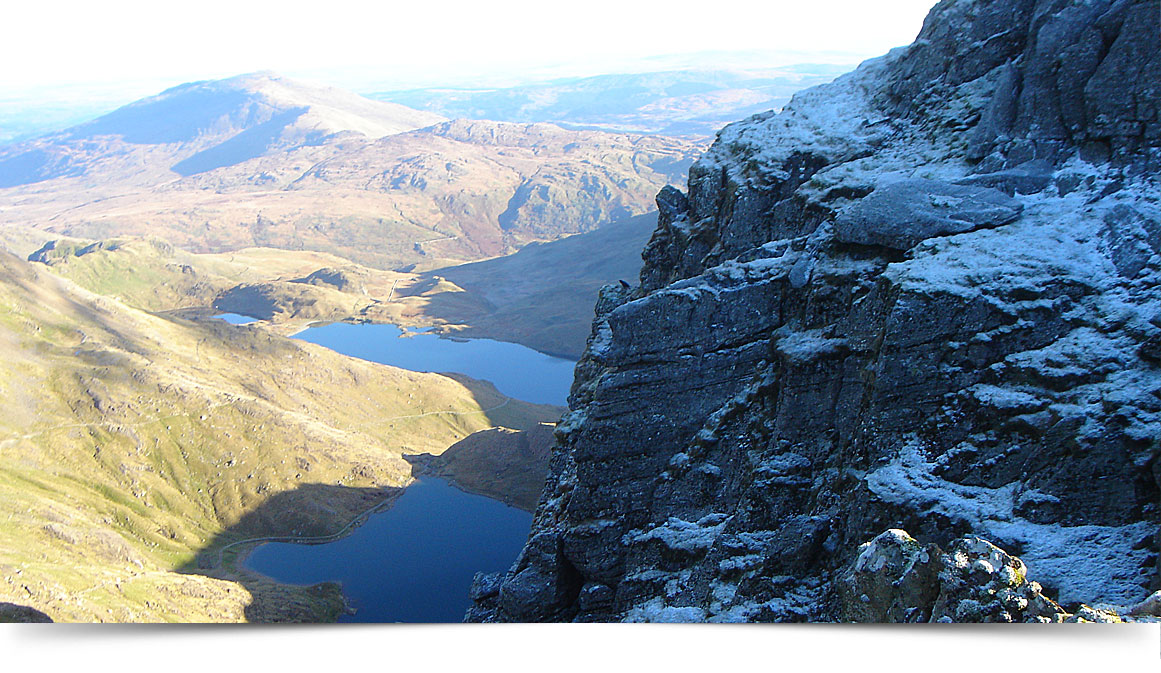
924 297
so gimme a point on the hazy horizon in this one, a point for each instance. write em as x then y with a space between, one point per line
129 43
80 60
32 111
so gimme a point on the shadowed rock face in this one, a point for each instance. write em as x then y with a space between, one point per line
923 296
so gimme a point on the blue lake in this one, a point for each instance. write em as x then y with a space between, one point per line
515 370
413 562
236 318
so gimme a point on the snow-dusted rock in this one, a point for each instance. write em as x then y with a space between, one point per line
774 393
900 214
980 582
894 578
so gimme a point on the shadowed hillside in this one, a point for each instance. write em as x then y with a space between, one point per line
501 463
306 514
543 295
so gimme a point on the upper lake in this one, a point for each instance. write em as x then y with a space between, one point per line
515 370
236 318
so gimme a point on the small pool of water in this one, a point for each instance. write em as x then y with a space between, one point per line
236 318
515 370
413 562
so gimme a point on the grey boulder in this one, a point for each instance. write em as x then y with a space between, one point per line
901 214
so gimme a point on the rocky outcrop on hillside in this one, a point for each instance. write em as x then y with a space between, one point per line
894 578
502 463
924 297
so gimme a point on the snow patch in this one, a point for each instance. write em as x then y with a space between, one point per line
657 612
680 535
602 339
1093 564
808 346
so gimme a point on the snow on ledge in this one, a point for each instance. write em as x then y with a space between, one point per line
1091 564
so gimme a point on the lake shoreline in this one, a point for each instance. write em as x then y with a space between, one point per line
391 563
415 559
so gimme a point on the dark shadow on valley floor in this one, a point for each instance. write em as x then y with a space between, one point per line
11 613
311 513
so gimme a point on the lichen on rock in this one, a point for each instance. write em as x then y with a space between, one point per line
896 579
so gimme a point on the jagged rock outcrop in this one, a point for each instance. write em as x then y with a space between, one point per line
896 579
1150 607
924 297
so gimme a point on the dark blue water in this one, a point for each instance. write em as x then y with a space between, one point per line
236 318
515 370
413 562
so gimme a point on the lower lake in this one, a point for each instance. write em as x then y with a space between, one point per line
414 561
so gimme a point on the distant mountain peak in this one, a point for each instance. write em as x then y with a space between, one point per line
241 102
215 123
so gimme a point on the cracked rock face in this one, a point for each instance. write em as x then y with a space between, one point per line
923 297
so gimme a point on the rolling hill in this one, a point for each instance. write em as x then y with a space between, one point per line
259 160
672 102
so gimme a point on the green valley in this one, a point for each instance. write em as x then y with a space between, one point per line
133 446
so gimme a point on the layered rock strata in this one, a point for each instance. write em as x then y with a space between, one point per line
926 297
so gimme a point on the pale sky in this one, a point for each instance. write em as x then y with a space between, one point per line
51 42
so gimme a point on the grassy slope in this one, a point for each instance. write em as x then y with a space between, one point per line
130 442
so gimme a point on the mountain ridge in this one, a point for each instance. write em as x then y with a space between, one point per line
223 122
278 175
694 102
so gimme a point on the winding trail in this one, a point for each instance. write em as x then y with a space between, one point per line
436 413
309 539
115 426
